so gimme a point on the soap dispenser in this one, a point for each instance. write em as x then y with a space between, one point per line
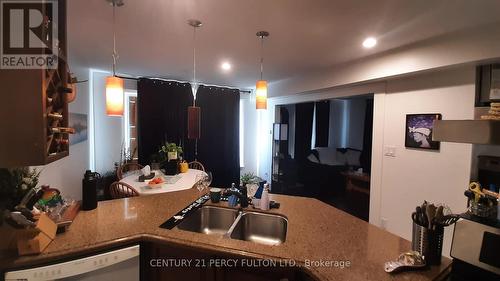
233 200
264 200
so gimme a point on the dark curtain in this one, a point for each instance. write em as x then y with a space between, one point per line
162 116
218 147
366 156
303 129
322 123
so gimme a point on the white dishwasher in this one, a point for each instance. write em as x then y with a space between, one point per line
122 264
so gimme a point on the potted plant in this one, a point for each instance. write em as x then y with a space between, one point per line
251 181
15 183
247 178
171 150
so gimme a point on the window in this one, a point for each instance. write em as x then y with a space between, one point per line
130 123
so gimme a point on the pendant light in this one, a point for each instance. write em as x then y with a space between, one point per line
194 112
114 84
261 85
194 85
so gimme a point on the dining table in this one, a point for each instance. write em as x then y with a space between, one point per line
172 183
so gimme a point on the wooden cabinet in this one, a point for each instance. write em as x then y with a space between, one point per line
162 262
33 102
177 262
485 74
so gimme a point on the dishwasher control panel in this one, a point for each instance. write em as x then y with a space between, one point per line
74 267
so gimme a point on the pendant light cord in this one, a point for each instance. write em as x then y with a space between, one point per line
194 54
261 56
194 64
194 81
115 54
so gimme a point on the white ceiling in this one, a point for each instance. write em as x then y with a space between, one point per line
153 38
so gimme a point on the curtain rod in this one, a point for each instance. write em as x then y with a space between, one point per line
165 79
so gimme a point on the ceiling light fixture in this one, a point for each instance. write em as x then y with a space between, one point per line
226 66
261 85
114 84
194 85
194 112
369 42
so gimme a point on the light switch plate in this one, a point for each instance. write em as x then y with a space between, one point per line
390 151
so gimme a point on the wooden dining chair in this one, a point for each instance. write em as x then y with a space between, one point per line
122 190
127 168
196 166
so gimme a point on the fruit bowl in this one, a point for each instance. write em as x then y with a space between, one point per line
156 182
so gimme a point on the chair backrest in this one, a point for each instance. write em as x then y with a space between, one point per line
196 165
122 190
126 168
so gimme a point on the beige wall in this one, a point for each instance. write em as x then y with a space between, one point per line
413 176
399 183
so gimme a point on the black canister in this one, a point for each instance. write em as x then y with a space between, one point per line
89 190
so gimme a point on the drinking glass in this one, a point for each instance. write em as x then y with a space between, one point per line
199 182
207 180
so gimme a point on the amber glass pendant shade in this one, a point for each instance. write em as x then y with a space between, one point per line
114 96
261 95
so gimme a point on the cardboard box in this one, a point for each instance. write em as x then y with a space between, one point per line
35 240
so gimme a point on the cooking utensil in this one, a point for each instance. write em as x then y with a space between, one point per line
20 219
438 216
447 220
414 217
469 194
418 215
476 188
423 216
430 212
27 213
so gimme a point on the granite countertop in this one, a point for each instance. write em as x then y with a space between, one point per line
316 231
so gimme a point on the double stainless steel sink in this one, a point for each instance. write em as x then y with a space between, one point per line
251 226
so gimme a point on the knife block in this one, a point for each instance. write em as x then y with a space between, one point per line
35 240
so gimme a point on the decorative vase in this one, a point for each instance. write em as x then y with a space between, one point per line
171 155
183 167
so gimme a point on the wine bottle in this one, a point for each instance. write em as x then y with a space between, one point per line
55 115
64 90
62 141
55 101
62 130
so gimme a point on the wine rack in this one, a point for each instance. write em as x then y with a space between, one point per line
56 89
34 114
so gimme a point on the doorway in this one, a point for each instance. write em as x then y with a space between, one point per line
322 149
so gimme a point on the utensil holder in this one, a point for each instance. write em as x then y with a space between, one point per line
482 210
428 242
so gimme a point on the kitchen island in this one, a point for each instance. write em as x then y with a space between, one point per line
319 238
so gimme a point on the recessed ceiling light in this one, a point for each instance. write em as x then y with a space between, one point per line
226 66
369 42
